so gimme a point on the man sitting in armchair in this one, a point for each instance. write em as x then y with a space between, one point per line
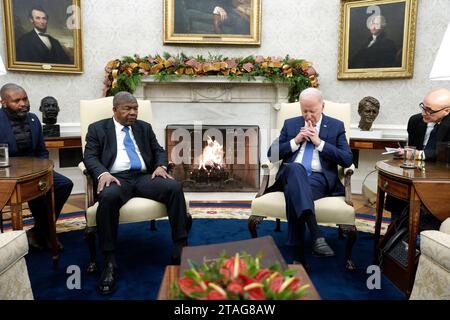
123 155
311 147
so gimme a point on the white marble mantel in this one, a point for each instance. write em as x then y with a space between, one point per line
213 89
214 101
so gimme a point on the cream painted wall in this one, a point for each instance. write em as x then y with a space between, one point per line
301 28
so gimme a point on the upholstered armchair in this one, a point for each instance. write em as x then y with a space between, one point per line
136 209
330 210
432 280
14 280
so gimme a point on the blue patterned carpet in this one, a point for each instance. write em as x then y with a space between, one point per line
143 254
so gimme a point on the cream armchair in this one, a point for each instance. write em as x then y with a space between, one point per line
432 280
330 210
136 209
14 280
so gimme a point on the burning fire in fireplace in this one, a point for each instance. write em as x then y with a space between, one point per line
212 155
214 158
211 166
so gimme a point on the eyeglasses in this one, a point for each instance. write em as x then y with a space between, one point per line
430 111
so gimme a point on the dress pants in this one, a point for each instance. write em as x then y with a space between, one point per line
39 206
137 184
300 192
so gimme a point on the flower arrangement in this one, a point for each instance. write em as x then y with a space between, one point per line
238 278
126 74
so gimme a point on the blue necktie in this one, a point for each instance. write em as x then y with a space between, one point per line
307 157
131 151
431 144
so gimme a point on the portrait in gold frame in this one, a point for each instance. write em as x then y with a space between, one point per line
377 39
219 22
52 45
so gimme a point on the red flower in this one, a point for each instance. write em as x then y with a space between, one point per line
215 295
189 286
262 274
236 287
276 283
228 268
255 291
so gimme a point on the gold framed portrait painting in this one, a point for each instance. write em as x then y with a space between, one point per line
226 22
377 39
43 35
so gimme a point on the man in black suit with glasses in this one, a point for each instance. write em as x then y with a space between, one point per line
425 131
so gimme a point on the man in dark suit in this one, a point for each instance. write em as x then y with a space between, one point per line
425 130
22 131
37 45
311 146
124 157
378 51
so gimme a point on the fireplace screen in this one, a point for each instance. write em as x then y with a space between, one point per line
214 158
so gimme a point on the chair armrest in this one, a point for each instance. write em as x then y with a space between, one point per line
348 172
445 226
436 245
82 167
265 179
269 170
89 185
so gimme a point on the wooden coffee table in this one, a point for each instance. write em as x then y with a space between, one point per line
171 276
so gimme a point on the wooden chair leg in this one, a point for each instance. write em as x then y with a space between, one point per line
89 236
351 233
278 226
153 225
1 221
252 222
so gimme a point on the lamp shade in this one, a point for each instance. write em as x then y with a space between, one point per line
441 66
2 67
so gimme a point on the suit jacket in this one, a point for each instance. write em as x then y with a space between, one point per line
7 136
336 150
101 146
416 134
381 54
30 48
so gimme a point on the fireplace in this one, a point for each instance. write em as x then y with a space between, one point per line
213 158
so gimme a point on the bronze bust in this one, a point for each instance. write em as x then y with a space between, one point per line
368 109
50 109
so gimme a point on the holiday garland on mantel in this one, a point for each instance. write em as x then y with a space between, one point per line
126 74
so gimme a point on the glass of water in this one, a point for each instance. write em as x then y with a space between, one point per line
4 155
409 157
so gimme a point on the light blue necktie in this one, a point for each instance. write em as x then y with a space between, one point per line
131 151
307 157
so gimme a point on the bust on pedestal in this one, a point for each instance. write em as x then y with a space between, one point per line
49 108
368 109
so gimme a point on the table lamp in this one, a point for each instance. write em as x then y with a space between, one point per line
441 66
2 67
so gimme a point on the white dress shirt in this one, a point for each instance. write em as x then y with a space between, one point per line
44 39
430 127
315 162
122 162
374 38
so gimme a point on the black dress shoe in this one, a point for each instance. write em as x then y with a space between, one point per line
322 249
108 280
